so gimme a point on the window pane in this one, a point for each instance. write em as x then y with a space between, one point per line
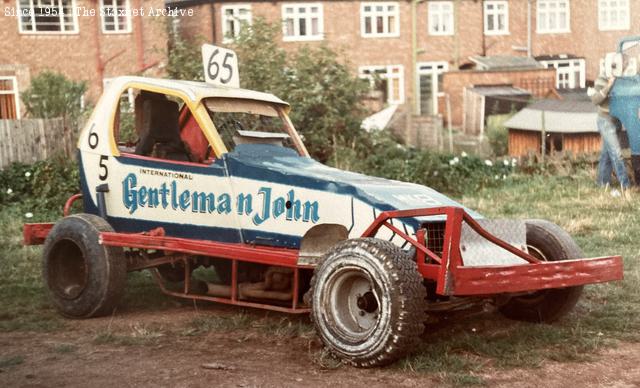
303 27
289 27
392 24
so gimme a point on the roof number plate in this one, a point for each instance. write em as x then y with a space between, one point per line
220 66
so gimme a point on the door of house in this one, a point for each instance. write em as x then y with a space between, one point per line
430 85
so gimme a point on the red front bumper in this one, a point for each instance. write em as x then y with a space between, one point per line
454 278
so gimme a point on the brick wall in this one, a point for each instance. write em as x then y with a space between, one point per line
456 81
76 55
342 32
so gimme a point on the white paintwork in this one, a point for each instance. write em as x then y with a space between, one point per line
220 66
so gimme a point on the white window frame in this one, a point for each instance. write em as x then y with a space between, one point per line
297 16
385 21
495 13
439 15
574 64
113 5
236 19
21 29
622 8
14 91
434 69
548 30
389 75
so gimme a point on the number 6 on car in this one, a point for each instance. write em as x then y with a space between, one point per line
220 66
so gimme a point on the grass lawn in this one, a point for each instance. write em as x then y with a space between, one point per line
457 349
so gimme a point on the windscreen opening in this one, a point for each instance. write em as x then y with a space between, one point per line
249 122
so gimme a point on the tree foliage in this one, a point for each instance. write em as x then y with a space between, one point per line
184 60
323 92
54 95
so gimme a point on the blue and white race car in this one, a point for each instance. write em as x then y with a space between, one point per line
180 175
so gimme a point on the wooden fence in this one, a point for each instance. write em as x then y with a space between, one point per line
28 141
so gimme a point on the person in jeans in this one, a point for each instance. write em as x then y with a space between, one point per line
611 154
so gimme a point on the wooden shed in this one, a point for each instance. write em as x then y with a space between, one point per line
570 127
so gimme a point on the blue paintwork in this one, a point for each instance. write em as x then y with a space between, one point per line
269 163
216 169
624 103
282 165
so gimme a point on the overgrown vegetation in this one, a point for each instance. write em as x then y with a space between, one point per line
497 134
53 95
39 190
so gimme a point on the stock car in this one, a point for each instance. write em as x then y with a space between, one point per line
186 176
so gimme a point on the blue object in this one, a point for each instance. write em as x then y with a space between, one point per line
624 104
624 101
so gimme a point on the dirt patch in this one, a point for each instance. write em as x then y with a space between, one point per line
164 348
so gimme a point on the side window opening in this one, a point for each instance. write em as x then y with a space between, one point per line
159 126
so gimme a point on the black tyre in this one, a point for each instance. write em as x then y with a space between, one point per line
84 279
548 242
367 302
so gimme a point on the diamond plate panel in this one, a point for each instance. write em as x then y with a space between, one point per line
477 251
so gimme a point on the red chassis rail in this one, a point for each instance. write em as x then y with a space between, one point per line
447 269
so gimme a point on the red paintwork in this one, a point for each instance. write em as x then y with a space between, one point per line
35 234
69 203
545 275
254 254
452 277
192 135
160 161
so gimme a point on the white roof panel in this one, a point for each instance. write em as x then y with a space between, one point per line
198 90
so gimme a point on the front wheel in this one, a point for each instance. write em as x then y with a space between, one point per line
367 302
548 242
84 278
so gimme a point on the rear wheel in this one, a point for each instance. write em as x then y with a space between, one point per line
548 242
367 302
84 279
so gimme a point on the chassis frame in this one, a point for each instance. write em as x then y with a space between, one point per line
452 277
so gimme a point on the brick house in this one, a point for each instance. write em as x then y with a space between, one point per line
567 36
410 44
81 45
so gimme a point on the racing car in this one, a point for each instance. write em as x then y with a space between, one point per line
192 177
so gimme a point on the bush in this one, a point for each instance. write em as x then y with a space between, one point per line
450 174
497 134
53 95
41 188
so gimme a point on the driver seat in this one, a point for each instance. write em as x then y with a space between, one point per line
160 132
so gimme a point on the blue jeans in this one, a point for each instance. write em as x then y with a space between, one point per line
611 154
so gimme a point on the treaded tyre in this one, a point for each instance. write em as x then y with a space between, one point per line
367 302
549 242
84 279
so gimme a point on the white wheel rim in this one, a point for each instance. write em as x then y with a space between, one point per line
354 303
